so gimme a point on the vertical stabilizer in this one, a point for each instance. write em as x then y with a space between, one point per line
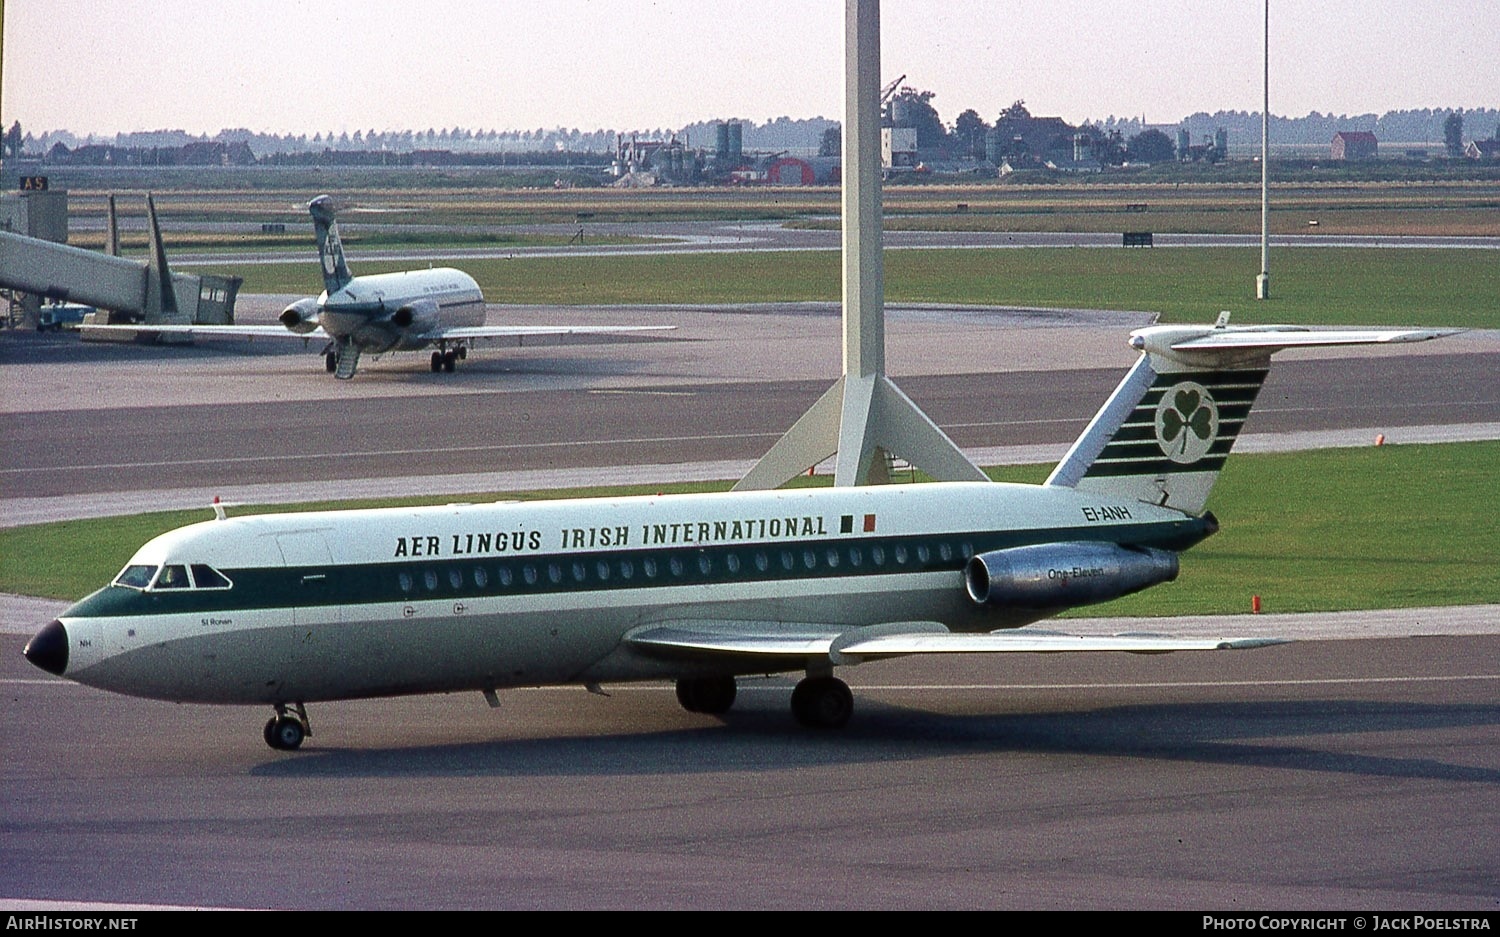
1163 435
161 295
330 248
111 227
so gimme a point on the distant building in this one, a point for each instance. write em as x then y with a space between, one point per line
898 147
1355 144
1484 150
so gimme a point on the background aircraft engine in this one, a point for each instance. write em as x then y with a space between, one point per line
301 316
1054 575
420 316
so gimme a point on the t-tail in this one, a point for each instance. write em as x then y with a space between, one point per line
330 247
1163 435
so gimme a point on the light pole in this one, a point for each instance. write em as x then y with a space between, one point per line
1263 282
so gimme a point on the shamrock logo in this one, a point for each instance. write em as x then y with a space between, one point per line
1186 422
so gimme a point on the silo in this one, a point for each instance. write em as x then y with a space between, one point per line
1221 142
721 141
736 141
1184 143
994 151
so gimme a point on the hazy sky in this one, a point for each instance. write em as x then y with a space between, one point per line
291 66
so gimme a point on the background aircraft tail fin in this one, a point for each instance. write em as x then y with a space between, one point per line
330 247
1164 433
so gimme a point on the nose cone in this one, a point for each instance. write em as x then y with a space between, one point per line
49 648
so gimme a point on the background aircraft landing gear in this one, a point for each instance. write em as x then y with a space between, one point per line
822 703
330 361
445 360
712 695
286 730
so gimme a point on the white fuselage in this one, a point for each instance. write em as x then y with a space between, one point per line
365 309
408 600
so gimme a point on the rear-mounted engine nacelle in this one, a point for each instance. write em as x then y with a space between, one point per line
301 316
1056 575
417 317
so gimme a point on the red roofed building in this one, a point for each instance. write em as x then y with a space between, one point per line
1355 144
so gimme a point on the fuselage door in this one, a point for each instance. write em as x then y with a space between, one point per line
310 565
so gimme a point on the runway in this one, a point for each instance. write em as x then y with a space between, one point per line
1342 775
1325 774
707 237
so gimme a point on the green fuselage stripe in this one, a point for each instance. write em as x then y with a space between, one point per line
621 570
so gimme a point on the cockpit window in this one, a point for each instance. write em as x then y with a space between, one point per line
206 577
173 577
135 577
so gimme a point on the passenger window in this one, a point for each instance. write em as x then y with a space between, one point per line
404 579
456 578
481 578
430 580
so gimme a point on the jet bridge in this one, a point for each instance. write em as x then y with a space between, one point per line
134 291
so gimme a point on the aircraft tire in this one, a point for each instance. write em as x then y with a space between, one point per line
437 362
711 695
330 362
284 733
822 703
450 361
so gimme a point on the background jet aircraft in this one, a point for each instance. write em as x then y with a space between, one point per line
282 610
386 311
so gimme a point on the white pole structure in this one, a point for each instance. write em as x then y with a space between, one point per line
1263 282
864 415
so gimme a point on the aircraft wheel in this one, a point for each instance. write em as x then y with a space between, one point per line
711 695
463 352
822 703
450 361
330 362
437 362
284 733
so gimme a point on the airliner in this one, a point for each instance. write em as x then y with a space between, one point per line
283 610
384 312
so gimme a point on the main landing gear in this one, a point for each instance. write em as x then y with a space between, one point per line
448 359
818 702
286 730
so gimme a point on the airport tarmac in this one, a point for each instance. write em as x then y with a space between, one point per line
1325 774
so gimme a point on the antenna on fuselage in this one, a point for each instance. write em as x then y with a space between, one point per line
864 415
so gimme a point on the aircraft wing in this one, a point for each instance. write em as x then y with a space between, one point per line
763 640
234 331
1274 337
521 331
